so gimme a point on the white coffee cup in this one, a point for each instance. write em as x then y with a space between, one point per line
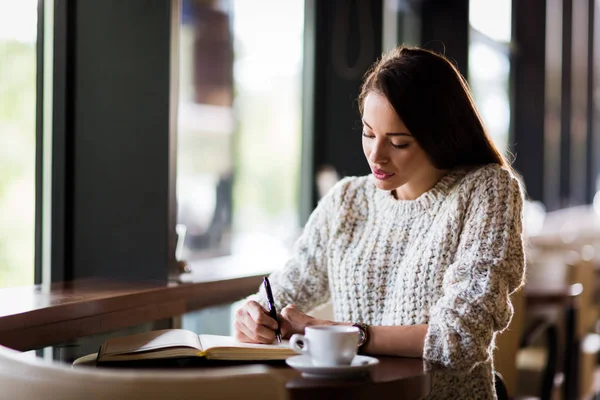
327 345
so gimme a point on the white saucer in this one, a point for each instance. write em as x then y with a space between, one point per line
359 365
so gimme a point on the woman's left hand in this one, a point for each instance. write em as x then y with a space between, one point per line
293 320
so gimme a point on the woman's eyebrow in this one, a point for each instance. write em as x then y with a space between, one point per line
388 133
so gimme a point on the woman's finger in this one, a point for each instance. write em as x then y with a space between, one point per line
244 324
294 320
287 330
260 332
240 333
256 331
260 315
295 315
245 333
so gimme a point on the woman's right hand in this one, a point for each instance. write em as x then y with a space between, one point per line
253 324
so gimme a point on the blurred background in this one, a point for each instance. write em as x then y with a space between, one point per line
115 167
240 113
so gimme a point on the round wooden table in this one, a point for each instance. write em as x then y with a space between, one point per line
392 377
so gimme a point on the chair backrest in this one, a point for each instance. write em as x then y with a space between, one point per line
22 379
500 386
507 344
584 272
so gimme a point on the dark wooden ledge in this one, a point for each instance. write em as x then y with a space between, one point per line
36 316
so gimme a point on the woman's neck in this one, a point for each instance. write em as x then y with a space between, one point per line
415 187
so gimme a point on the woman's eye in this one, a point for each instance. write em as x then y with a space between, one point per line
367 135
399 146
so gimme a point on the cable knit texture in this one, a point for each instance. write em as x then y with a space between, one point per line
449 259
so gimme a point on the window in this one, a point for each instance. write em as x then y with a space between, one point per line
489 65
18 35
239 138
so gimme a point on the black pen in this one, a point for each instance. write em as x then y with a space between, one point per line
272 309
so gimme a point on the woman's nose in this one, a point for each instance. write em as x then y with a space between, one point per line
378 154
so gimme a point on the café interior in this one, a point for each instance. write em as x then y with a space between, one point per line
159 158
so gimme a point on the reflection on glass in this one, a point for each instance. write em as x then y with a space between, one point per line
239 125
18 32
489 65
206 127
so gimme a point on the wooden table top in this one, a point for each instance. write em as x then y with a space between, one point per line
552 294
391 378
37 316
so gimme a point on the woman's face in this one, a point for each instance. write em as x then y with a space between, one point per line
395 157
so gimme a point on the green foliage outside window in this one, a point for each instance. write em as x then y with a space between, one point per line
17 161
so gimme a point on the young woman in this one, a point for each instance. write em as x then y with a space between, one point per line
422 254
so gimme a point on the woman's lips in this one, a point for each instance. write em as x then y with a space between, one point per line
381 175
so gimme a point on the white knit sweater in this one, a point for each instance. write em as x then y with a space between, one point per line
449 259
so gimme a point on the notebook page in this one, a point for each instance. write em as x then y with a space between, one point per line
151 341
211 341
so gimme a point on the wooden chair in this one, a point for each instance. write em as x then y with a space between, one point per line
22 379
573 320
508 343
515 343
500 385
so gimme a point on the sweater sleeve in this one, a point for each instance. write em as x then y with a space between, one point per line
303 280
488 267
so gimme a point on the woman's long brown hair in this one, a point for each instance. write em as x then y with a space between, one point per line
434 102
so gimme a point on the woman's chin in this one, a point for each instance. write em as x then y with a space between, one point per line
385 184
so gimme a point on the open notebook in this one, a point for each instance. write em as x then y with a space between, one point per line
176 343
